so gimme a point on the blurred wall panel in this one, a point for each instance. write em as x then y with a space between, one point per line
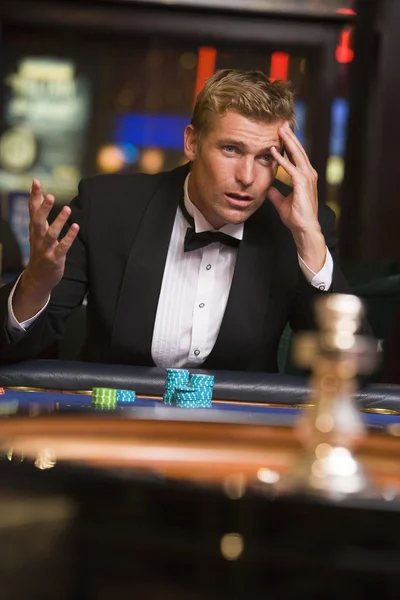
362 93
381 207
313 8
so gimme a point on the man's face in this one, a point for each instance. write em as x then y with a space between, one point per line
232 168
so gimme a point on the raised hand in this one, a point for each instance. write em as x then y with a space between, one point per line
47 257
47 254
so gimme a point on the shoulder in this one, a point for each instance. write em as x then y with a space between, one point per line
106 201
120 186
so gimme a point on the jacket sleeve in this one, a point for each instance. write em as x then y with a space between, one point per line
302 309
48 329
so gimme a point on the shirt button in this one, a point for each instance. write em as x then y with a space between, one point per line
196 352
202 305
321 287
208 267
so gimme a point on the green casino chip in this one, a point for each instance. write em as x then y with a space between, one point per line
104 397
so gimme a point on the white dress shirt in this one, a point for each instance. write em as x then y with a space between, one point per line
194 293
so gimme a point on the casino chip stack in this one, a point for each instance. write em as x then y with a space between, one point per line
194 394
107 398
126 396
176 378
203 386
104 398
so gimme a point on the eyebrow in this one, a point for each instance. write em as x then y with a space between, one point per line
242 146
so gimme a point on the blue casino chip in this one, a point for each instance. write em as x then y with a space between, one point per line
175 378
126 396
199 381
186 399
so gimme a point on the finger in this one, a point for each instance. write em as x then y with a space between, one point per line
295 151
53 232
39 216
294 148
276 197
35 195
284 162
67 241
291 134
296 140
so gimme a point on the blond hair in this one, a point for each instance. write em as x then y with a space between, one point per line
248 93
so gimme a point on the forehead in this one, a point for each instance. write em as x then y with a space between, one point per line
233 126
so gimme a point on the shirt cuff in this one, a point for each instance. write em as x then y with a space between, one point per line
323 279
14 325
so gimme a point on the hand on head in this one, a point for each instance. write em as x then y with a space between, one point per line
298 210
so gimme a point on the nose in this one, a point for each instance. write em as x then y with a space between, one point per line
245 172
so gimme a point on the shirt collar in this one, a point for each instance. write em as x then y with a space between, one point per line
201 223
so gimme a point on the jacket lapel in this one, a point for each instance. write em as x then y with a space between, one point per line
239 336
138 299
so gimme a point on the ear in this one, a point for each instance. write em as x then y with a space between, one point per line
190 143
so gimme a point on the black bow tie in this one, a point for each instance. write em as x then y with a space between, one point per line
195 241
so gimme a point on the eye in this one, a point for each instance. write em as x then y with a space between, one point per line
267 158
230 149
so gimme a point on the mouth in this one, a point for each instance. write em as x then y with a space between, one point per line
239 200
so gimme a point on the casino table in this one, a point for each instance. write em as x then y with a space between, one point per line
152 501
21 400
149 416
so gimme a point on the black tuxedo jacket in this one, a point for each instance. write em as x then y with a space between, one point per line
118 259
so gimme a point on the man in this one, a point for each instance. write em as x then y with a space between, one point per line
200 266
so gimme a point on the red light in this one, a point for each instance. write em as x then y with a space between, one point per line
205 67
279 66
344 53
346 11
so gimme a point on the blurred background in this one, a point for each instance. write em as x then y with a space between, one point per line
108 87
